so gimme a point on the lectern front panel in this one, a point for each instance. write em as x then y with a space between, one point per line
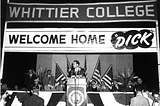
76 92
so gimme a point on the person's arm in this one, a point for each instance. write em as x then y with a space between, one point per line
44 80
53 80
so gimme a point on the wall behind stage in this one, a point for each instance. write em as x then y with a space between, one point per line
120 62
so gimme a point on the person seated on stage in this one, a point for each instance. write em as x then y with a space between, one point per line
61 86
16 88
129 87
104 88
49 81
140 83
94 86
76 70
115 86
37 85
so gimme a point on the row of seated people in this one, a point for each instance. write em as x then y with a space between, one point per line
116 86
45 84
91 86
141 98
48 84
48 81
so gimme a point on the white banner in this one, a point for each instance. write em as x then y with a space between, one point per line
81 39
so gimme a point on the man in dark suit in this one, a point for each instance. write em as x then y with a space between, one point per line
76 70
34 99
29 79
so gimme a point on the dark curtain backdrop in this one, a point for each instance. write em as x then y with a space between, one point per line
146 67
16 66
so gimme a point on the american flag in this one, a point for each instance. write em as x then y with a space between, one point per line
107 78
96 74
59 75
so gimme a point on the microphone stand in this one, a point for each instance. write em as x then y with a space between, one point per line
75 89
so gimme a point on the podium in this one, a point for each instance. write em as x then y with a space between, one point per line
76 92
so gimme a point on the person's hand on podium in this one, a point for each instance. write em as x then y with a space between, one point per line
73 76
78 76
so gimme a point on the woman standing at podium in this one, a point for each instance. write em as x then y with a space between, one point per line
76 70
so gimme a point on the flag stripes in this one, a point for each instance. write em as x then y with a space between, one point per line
59 75
96 76
108 77
97 72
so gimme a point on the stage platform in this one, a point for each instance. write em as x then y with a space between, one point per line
58 98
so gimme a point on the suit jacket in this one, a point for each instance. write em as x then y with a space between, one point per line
29 81
81 71
34 100
23 96
60 88
46 80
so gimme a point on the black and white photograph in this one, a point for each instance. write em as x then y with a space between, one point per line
80 53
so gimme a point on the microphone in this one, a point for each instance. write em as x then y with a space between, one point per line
76 71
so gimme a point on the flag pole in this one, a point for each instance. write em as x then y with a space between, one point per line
68 65
54 61
85 67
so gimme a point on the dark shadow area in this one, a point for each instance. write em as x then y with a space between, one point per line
16 66
146 67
